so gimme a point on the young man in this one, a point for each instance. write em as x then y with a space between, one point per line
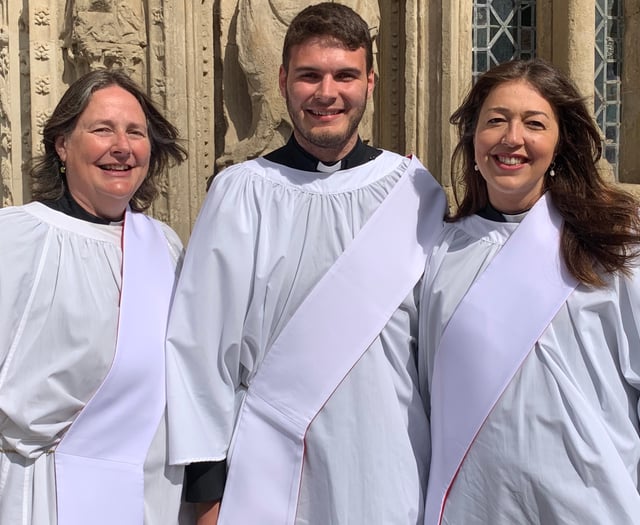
291 344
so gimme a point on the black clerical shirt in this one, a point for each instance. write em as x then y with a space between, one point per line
68 205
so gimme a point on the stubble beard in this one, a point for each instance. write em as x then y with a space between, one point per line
328 139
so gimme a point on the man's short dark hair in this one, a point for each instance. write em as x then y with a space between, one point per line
333 21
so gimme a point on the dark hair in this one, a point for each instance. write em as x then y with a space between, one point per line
601 230
47 183
333 21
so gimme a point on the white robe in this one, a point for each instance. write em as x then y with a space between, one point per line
61 277
552 449
264 237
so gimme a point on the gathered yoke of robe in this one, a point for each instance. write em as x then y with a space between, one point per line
59 295
562 445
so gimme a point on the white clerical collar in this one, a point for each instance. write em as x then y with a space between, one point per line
328 168
515 217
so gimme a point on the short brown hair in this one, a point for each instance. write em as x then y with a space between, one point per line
333 21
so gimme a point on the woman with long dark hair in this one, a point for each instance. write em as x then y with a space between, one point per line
530 316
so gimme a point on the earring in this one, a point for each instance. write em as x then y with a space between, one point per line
475 167
63 169
552 171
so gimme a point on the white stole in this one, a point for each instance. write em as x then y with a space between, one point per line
99 462
492 331
324 339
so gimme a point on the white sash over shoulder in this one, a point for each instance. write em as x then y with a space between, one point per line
99 462
327 335
488 337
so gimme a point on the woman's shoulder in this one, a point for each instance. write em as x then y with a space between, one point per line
35 218
473 228
22 222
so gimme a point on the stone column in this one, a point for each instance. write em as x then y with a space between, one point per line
12 187
187 78
629 166
438 77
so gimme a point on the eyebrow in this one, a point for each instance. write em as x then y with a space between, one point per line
310 69
528 113
112 123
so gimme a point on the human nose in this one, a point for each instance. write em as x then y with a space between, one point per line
121 144
326 89
513 135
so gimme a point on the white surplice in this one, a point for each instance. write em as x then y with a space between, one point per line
562 444
60 282
264 238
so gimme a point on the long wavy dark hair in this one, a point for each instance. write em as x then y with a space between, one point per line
601 232
166 150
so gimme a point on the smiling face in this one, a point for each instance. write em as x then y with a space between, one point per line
515 141
326 87
107 153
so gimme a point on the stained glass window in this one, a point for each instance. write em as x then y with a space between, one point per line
608 64
502 30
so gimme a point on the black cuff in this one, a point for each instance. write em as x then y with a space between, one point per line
205 481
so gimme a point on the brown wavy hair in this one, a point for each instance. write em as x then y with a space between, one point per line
47 182
601 232
330 20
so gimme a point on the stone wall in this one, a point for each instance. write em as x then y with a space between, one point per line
212 66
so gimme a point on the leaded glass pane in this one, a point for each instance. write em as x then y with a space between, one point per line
607 75
503 30
482 16
503 48
503 8
483 62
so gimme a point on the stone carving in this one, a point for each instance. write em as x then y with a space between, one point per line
105 33
254 111
229 108
42 17
42 85
6 198
41 51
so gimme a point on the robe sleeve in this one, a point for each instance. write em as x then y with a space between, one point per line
21 240
629 341
207 360
176 250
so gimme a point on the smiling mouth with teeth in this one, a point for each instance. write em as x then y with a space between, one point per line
324 113
511 161
116 168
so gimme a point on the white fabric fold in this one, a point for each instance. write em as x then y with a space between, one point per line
264 238
59 298
99 462
331 330
561 445
484 344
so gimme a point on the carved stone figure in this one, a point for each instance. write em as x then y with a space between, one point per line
6 198
101 33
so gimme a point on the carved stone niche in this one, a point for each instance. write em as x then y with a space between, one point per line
105 33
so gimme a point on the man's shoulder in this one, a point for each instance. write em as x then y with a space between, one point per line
388 154
236 172
247 166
